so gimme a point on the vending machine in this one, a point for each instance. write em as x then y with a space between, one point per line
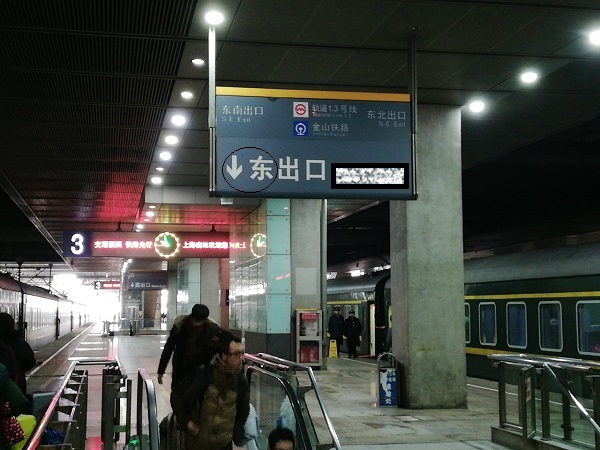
309 337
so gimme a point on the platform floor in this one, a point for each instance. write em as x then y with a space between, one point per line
348 386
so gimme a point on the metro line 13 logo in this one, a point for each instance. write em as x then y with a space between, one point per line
167 244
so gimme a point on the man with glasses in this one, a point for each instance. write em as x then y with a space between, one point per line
215 407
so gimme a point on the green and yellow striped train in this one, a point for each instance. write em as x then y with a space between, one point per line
541 302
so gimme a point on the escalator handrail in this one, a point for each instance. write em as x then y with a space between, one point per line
146 383
293 402
315 386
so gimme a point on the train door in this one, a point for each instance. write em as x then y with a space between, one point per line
372 329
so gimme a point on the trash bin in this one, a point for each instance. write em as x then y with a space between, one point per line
387 382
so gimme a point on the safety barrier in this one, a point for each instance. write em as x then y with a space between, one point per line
559 391
67 411
147 418
281 399
115 386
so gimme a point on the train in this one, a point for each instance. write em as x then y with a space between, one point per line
40 316
541 302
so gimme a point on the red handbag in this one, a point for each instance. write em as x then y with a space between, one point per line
10 428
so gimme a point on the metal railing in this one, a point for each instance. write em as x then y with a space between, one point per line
115 386
70 400
147 437
67 410
539 374
285 372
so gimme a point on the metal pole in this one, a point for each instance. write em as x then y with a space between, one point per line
212 39
412 66
545 394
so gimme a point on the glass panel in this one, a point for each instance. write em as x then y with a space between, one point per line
273 407
516 324
588 327
550 319
487 323
467 323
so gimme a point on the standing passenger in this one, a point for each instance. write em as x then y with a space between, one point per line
191 342
24 356
352 330
215 407
335 328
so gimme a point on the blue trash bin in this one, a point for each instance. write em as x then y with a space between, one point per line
387 382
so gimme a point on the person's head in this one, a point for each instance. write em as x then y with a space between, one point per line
199 312
336 309
7 323
351 313
281 439
230 351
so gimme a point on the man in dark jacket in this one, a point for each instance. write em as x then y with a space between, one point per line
352 330
23 353
192 344
215 407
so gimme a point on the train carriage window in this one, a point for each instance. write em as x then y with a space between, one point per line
516 325
487 323
467 323
588 327
550 320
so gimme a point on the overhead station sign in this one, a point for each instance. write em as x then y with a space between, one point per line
148 280
313 144
163 245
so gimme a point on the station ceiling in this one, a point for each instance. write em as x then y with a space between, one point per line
87 91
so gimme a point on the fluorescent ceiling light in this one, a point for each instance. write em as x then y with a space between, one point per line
529 77
171 140
178 120
214 18
477 106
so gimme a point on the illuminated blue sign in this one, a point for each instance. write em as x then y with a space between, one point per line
313 144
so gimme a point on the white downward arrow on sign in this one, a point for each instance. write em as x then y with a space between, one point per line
234 170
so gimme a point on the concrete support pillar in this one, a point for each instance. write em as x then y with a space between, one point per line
210 286
427 270
306 254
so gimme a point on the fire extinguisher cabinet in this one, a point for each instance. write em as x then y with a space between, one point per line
309 336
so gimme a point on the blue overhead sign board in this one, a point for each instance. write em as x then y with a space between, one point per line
313 144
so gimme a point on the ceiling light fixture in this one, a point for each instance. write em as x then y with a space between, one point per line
160 169
198 62
171 140
140 226
178 120
529 76
187 95
595 37
150 213
165 156
152 206
156 180
477 106
214 18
